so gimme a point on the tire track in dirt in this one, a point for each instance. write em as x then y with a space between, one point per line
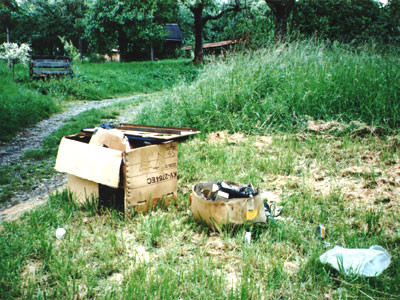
32 138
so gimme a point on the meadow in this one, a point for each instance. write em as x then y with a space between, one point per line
315 126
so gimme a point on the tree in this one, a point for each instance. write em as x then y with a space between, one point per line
122 23
346 21
253 26
14 53
7 10
281 10
204 11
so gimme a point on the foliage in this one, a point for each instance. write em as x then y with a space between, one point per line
277 88
14 53
101 25
19 105
348 20
126 24
252 26
40 22
70 49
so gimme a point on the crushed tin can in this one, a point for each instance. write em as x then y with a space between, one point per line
247 237
321 232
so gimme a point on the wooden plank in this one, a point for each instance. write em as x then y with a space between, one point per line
50 57
52 72
53 64
158 129
154 135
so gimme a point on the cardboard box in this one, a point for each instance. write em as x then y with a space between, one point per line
229 211
139 177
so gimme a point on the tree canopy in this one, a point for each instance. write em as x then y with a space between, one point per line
133 27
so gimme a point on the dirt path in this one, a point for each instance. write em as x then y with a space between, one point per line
32 138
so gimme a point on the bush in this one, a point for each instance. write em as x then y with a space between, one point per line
277 88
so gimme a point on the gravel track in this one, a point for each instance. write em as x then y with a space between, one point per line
32 138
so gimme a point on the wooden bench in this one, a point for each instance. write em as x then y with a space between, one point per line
50 66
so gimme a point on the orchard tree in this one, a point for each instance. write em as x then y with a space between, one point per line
204 11
346 21
281 10
122 23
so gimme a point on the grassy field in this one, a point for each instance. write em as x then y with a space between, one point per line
25 102
338 172
282 87
349 184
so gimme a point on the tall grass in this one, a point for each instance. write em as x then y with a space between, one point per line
20 106
276 88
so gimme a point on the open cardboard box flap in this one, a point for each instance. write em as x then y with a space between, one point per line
94 163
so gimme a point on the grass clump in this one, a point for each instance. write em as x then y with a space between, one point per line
282 87
19 105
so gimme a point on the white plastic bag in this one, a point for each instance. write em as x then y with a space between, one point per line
364 262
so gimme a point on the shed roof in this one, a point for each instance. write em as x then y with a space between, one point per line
175 33
215 45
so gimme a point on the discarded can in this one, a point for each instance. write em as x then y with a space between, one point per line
321 233
247 237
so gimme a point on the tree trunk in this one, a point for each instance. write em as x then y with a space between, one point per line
123 45
281 27
80 49
8 41
198 33
281 10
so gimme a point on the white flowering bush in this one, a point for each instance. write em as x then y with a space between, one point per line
14 53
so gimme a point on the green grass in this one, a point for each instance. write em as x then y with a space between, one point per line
282 87
94 81
19 105
165 254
